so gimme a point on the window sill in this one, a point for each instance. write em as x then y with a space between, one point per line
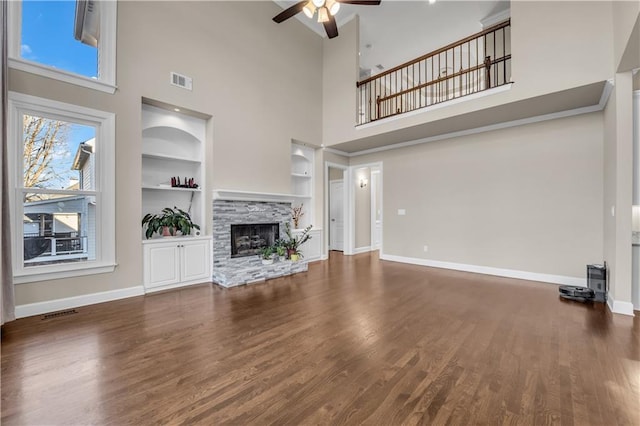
28 276
60 75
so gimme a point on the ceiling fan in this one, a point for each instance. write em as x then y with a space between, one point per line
326 11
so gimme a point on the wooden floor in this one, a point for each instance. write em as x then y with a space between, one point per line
354 340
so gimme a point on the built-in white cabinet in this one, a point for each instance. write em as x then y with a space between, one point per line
302 180
312 249
172 147
176 261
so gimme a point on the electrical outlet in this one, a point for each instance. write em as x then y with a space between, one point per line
402 212
426 249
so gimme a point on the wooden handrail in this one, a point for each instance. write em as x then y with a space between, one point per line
436 52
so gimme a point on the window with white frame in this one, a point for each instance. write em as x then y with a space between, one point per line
71 41
63 178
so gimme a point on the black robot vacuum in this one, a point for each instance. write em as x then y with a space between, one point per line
596 289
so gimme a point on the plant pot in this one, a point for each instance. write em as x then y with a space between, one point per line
166 232
294 257
267 261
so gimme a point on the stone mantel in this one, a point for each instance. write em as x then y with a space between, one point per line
235 195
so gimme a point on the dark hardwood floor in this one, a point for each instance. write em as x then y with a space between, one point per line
354 340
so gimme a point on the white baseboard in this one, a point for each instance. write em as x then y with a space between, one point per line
361 250
618 307
174 286
487 270
39 308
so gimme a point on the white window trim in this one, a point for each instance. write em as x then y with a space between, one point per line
106 50
104 186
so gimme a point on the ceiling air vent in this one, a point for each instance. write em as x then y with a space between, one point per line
380 67
365 73
181 81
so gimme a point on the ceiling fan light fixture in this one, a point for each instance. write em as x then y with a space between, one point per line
333 7
309 9
318 3
323 15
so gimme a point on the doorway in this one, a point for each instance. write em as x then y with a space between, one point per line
336 207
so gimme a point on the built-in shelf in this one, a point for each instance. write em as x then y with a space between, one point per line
300 175
170 188
169 157
172 146
302 181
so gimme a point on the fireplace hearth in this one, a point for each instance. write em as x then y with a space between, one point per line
248 239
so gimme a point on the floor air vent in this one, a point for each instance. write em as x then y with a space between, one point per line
59 314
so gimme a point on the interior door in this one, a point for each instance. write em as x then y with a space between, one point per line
336 215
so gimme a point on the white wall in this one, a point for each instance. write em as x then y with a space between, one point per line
362 210
250 74
618 188
626 18
527 198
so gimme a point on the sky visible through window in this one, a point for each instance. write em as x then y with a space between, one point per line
47 38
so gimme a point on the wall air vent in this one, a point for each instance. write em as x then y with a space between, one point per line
181 81
380 67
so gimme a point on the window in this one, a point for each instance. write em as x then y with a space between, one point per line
70 41
63 178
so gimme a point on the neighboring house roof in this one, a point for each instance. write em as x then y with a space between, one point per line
56 200
85 149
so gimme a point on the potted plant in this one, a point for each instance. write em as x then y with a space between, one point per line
281 250
293 243
168 223
266 253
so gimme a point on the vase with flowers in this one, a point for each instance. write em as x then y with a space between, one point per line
296 215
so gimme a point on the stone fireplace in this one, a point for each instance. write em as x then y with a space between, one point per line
240 228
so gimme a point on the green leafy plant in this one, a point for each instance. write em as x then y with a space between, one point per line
293 242
280 248
267 252
174 219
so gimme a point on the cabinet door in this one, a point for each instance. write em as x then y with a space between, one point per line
312 249
196 260
162 264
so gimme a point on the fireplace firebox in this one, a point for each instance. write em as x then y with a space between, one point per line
248 239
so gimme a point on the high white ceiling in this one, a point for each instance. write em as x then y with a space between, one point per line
397 31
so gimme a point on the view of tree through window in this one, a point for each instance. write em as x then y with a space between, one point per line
47 38
58 160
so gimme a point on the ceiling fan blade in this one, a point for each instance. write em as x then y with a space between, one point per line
289 12
330 27
361 2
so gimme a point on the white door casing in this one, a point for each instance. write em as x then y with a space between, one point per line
336 215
